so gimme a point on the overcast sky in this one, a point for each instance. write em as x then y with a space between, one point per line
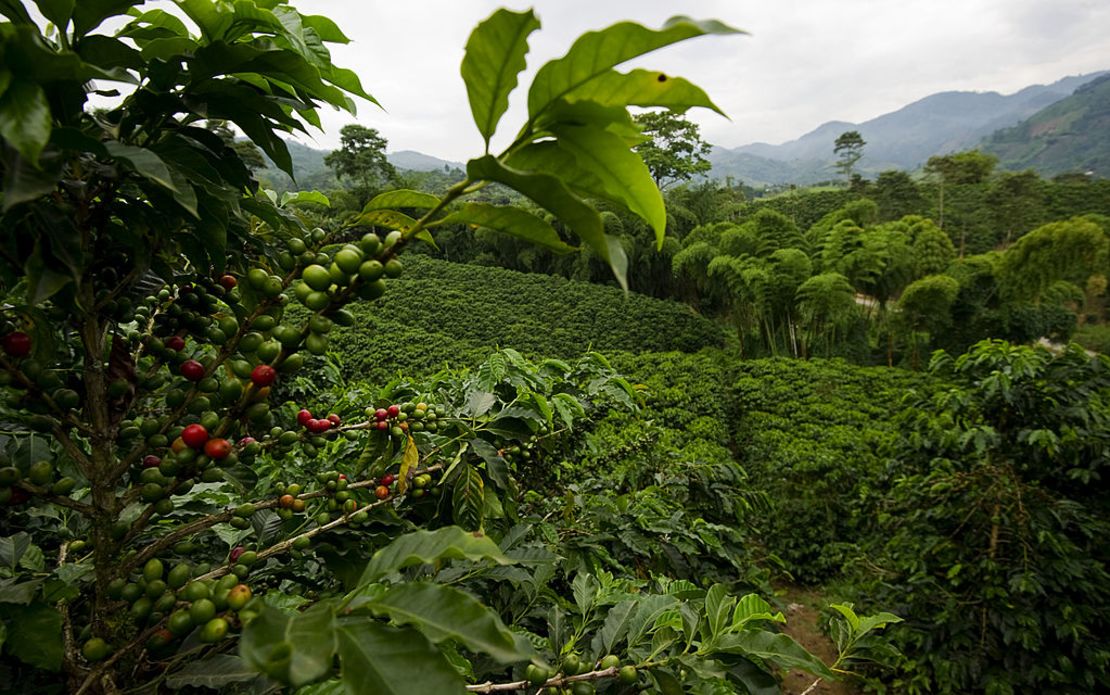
805 61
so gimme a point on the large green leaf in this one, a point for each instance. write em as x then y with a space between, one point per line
306 641
510 220
402 198
424 547
386 218
468 498
35 635
383 660
643 88
597 52
215 672
445 613
88 14
25 119
495 55
145 163
621 172
57 11
777 648
552 193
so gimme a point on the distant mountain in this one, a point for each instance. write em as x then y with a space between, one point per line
903 139
418 161
312 173
1072 134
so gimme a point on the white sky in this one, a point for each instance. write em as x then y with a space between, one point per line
805 61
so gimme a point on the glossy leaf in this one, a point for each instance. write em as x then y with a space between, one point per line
25 118
145 163
379 659
215 672
512 221
597 52
495 55
57 11
35 635
424 547
402 198
643 88
445 613
752 607
777 648
386 218
621 172
310 637
468 498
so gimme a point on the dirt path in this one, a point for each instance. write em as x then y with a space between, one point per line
803 612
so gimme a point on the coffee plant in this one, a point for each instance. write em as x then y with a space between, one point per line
169 521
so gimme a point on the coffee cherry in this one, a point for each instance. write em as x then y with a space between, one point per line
334 419
303 417
192 370
228 282
381 492
217 449
393 410
194 436
318 426
17 344
151 461
175 343
263 375
388 479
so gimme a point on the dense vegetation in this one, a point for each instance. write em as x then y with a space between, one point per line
257 442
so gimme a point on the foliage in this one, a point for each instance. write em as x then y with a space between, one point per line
848 149
991 531
444 313
361 160
814 436
674 150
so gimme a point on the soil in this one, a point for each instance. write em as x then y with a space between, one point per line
803 613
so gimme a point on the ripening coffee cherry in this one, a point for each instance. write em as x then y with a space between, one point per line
194 436
175 343
192 370
263 375
17 344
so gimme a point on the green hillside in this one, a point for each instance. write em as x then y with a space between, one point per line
1068 136
440 313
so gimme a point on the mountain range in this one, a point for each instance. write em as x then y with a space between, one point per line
904 139
1063 126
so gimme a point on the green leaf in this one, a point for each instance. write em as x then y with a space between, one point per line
552 193
615 625
216 672
643 88
512 221
88 14
718 606
311 637
35 635
21 592
597 52
386 218
468 498
495 55
445 613
383 660
144 162
12 549
25 119
402 198
495 463
622 172
752 607
777 648
425 547
325 28
57 11
304 197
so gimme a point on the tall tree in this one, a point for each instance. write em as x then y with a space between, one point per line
848 149
674 151
361 159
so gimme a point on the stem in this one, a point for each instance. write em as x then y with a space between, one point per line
555 681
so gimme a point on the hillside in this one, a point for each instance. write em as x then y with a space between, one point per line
313 174
1068 136
903 139
440 313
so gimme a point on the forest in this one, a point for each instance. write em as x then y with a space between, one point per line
577 418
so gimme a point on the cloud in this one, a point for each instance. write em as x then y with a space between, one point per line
805 62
